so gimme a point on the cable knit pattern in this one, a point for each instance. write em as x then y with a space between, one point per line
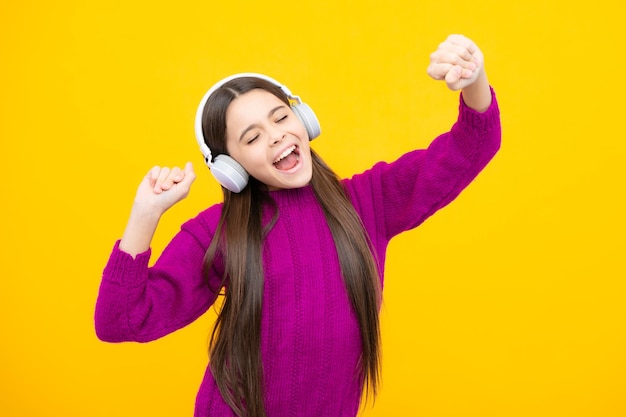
310 336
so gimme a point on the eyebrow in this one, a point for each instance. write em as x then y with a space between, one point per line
252 126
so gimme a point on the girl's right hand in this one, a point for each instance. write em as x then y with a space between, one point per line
163 187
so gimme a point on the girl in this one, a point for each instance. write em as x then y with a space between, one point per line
297 253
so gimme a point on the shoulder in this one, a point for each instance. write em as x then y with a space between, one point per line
373 177
204 224
364 189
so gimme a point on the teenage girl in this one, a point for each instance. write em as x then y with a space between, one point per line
297 253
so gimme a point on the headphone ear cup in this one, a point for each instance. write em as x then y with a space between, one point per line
308 118
229 173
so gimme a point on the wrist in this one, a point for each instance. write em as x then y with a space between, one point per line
143 212
477 95
139 231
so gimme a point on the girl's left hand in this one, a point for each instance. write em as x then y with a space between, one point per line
457 61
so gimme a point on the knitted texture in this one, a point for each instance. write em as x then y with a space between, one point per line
310 336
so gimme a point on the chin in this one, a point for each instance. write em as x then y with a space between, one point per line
289 184
296 184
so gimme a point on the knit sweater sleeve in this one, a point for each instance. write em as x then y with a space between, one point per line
398 196
138 302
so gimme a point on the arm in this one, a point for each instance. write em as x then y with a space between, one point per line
406 192
138 303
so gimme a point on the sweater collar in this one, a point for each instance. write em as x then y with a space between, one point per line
287 197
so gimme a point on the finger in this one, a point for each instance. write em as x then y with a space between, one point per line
175 176
462 41
467 73
458 55
153 175
163 173
454 55
439 71
453 77
469 52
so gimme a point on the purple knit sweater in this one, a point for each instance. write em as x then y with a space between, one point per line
310 336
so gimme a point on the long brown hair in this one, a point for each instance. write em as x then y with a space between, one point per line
235 346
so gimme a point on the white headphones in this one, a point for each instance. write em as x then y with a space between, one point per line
228 172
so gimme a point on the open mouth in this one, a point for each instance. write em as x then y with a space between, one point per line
288 159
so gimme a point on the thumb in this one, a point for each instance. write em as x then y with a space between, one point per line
453 78
190 175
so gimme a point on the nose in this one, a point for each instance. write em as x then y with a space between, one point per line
277 135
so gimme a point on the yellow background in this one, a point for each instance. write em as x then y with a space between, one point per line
509 302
